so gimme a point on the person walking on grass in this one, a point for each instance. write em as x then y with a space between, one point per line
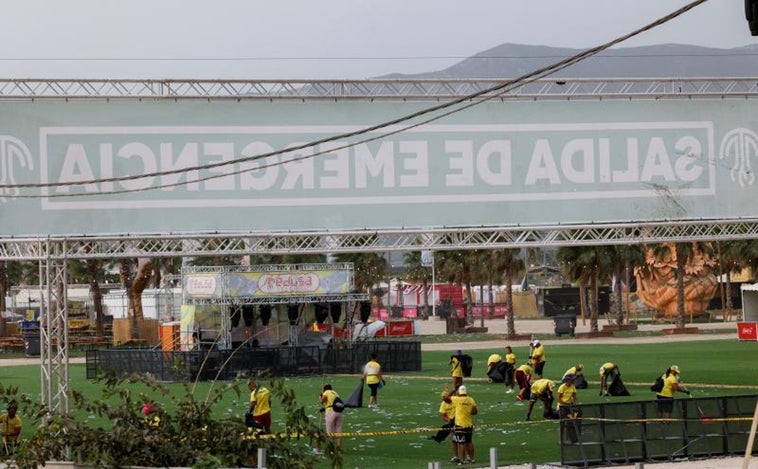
463 430
510 369
665 397
456 369
333 419
372 375
447 412
538 358
260 405
567 400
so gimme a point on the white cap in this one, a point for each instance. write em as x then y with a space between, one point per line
536 341
461 389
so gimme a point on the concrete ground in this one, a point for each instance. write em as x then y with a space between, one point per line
543 329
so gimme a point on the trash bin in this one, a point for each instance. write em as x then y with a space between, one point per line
31 345
565 324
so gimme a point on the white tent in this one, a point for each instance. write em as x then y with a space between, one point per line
750 302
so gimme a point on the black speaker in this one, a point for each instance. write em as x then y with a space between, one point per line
292 312
265 311
235 314
248 313
751 14
322 312
335 311
365 310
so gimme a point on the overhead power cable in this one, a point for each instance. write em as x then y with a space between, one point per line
464 102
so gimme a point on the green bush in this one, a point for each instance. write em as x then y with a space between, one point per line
186 433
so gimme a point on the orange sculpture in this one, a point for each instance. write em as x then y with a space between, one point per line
656 281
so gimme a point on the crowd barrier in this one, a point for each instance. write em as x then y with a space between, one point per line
630 432
206 365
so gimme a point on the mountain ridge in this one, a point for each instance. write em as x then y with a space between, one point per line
511 60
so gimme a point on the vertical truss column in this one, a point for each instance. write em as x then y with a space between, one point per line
54 331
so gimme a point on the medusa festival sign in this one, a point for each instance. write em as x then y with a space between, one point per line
193 167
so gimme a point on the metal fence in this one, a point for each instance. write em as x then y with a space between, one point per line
629 432
228 364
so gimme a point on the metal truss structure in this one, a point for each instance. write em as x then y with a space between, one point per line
52 253
372 89
227 299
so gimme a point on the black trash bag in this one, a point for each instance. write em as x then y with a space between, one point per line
356 397
580 382
617 387
497 373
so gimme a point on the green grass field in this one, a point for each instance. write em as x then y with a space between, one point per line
394 436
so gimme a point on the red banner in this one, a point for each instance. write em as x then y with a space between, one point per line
747 330
396 329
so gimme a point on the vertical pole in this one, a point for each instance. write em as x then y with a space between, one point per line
493 458
751 438
434 303
261 458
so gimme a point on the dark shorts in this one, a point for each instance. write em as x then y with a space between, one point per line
538 368
463 435
665 404
373 388
265 420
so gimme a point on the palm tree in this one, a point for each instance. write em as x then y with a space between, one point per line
587 265
733 257
482 272
620 261
508 264
455 267
416 272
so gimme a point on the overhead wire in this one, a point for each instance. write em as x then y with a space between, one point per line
453 106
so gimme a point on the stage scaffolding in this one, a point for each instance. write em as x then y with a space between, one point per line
238 286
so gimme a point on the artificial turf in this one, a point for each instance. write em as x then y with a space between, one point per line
396 434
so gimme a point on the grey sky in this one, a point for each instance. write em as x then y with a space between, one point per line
327 39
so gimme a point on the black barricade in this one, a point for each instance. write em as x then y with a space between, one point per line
280 361
627 432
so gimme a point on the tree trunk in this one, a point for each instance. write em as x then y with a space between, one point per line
468 305
141 281
3 294
594 303
583 299
728 296
509 306
93 268
425 300
125 274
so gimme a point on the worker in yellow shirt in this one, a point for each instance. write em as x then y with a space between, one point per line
493 361
567 400
260 405
523 378
671 385
538 357
447 412
372 375
463 431
578 372
10 425
608 373
456 369
510 369
542 390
